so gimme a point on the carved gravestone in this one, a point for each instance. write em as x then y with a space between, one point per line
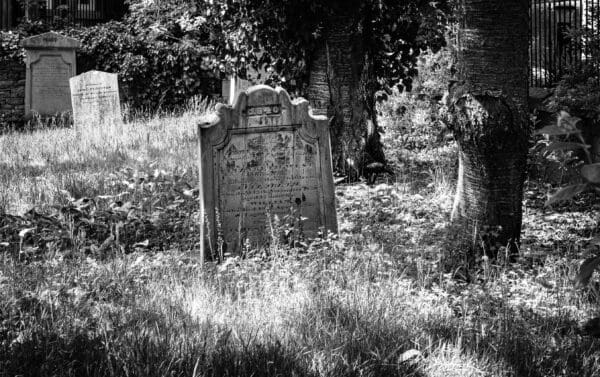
49 66
95 98
264 156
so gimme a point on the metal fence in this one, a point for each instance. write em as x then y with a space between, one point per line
76 12
8 9
83 12
551 47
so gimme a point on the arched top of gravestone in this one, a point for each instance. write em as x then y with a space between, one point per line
92 75
50 41
263 100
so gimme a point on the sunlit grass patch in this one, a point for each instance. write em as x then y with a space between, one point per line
371 301
37 165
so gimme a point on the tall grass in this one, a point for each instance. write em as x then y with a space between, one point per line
372 301
35 166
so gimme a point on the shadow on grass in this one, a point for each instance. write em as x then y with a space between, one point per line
548 346
526 346
351 342
147 344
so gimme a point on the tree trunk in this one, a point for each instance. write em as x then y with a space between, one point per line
341 87
487 108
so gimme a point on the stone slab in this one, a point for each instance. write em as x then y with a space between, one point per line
95 98
50 40
266 155
50 63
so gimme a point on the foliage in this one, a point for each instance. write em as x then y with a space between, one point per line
394 34
163 43
372 301
578 90
567 126
9 40
179 68
153 210
9 46
184 44
413 132
282 35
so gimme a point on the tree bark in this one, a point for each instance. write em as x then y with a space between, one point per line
487 107
341 87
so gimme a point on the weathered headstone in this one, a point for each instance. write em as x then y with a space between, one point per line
232 86
264 156
50 64
95 98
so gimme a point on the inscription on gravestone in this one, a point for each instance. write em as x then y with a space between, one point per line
95 98
265 156
50 85
49 65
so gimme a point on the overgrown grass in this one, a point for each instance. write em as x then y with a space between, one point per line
371 301
35 166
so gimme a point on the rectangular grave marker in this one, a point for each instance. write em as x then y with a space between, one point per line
49 66
265 156
95 98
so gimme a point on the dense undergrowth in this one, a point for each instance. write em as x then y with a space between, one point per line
102 277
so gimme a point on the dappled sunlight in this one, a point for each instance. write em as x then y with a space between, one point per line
452 360
374 299
36 166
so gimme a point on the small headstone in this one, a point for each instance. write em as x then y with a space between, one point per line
232 86
50 64
95 98
265 156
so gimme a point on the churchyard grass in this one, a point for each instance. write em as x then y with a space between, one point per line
373 301
37 165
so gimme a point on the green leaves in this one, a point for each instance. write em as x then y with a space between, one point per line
155 210
564 146
586 270
555 130
180 65
566 126
567 193
591 173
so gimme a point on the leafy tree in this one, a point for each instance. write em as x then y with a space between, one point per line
343 53
487 108
340 54
578 90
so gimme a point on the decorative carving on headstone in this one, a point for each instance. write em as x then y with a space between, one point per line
95 98
264 156
50 64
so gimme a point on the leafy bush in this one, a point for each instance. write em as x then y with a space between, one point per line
159 53
414 115
569 138
9 40
9 46
154 210
578 91
153 72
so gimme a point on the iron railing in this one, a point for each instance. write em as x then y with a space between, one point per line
83 12
75 12
8 14
551 47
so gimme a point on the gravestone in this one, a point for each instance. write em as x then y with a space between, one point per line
232 86
49 66
264 156
95 98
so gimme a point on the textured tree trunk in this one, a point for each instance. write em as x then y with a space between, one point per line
487 106
341 87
